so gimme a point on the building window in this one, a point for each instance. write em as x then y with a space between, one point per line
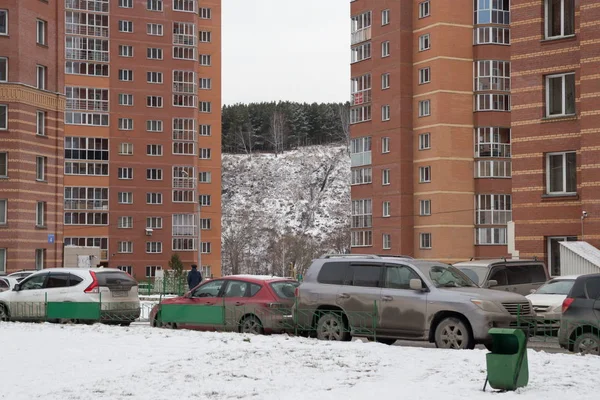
385 177
154 101
560 95
425 141
185 232
153 247
205 200
3 117
360 151
125 124
553 245
3 69
204 36
362 213
385 49
424 174
360 90
491 35
424 108
40 168
154 5
184 136
424 42
154 53
205 60
205 154
424 9
385 17
3 22
206 248
126 26
126 3
125 75
3 261
385 81
126 149
154 149
493 169
125 51
490 236
125 99
125 173
84 68
424 207
361 238
205 130
184 89
385 145
205 83
41 32
492 75
205 106
86 156
151 270
360 114
493 209
154 174
154 29
361 52
40 259
424 75
154 77
40 120
184 5
492 12
154 222
561 173
125 197
386 209
361 27
205 13
125 222
154 198
4 165
154 126
387 241
3 211
125 247
40 214
492 142
492 102
361 176
41 77
205 177
425 240
128 269
560 18
385 112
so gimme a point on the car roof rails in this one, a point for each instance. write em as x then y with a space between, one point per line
503 258
396 256
372 256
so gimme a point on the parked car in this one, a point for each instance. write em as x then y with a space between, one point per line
415 300
547 302
7 283
20 275
519 276
252 304
114 289
580 322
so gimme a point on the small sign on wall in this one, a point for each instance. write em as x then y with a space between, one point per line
51 238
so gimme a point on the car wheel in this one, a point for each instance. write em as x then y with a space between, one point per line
4 313
389 342
67 321
588 343
155 322
332 327
252 325
452 333
125 323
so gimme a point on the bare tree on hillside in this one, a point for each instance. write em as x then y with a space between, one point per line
237 239
343 111
277 131
246 137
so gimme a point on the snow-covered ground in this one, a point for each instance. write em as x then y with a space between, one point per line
101 362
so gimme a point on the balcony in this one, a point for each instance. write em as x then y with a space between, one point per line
493 217
86 30
184 40
359 98
87 55
498 150
87 105
493 169
362 35
360 159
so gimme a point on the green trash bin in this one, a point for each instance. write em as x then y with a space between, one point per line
507 367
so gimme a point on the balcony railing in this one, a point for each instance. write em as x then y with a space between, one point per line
86 204
185 40
185 88
86 105
499 150
493 217
362 97
493 169
184 183
76 29
87 55
360 159
361 35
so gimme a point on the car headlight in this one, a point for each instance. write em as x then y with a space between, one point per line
487 305
557 309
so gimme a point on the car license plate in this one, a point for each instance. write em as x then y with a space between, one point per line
120 293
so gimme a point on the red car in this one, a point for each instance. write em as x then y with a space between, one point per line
240 303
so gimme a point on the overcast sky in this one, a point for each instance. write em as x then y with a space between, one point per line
286 50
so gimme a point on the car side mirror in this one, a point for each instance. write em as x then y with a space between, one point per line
492 284
416 284
17 288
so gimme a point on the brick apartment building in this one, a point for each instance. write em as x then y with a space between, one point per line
469 114
110 132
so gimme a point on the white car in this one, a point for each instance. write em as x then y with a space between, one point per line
547 301
7 283
114 290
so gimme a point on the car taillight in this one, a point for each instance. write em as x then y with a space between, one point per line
93 288
297 292
567 303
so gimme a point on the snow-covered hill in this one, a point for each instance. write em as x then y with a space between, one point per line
284 209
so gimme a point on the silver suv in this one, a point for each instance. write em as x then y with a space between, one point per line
401 298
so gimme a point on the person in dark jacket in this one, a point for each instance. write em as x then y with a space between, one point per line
194 277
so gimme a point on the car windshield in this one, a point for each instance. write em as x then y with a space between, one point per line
285 289
562 287
476 274
449 277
